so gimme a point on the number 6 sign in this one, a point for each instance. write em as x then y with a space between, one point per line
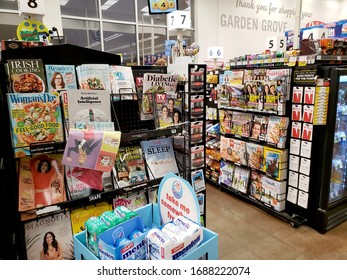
31 7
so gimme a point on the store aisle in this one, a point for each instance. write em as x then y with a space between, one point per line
248 233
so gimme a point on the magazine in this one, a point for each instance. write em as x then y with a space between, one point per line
25 76
255 155
35 118
159 87
273 193
256 188
92 149
226 173
259 127
83 182
131 201
241 124
160 157
276 163
80 215
130 166
277 131
87 106
122 82
41 181
60 77
93 77
233 150
225 120
240 179
40 232
168 109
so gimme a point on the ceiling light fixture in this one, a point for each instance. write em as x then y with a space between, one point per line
108 4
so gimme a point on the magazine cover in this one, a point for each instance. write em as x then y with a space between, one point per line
60 77
240 179
92 149
168 109
93 77
273 193
130 166
271 96
122 82
233 150
226 173
225 120
255 155
50 238
259 127
80 215
275 163
85 106
26 76
256 188
241 123
162 85
160 157
131 201
277 131
253 96
35 118
83 182
41 181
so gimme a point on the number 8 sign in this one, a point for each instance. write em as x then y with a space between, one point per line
31 7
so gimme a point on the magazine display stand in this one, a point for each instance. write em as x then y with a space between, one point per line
254 163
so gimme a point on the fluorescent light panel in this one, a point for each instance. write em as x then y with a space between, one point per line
108 4
63 2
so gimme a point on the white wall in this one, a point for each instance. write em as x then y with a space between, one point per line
53 16
241 26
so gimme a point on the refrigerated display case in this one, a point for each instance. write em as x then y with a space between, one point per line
330 207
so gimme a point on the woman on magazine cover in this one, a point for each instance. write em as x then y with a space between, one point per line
51 248
43 169
57 81
83 147
164 119
177 117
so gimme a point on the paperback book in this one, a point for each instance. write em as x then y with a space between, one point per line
25 76
130 166
40 233
92 149
160 157
41 181
60 77
35 118
85 106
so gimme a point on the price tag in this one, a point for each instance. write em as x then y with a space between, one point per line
31 7
292 61
179 20
315 33
275 43
302 60
215 52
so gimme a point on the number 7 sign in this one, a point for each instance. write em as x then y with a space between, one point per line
179 20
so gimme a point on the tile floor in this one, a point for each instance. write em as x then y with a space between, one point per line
249 233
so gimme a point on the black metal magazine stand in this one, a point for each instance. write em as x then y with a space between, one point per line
289 215
60 54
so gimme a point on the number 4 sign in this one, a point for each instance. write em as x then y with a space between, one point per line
31 7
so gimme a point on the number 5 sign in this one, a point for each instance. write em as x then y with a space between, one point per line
179 20
31 7
215 52
276 44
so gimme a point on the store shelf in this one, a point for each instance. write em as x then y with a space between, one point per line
331 57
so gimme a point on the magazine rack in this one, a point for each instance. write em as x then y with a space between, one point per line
207 250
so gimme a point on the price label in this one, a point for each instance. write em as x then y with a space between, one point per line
275 43
31 7
315 33
179 20
215 52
